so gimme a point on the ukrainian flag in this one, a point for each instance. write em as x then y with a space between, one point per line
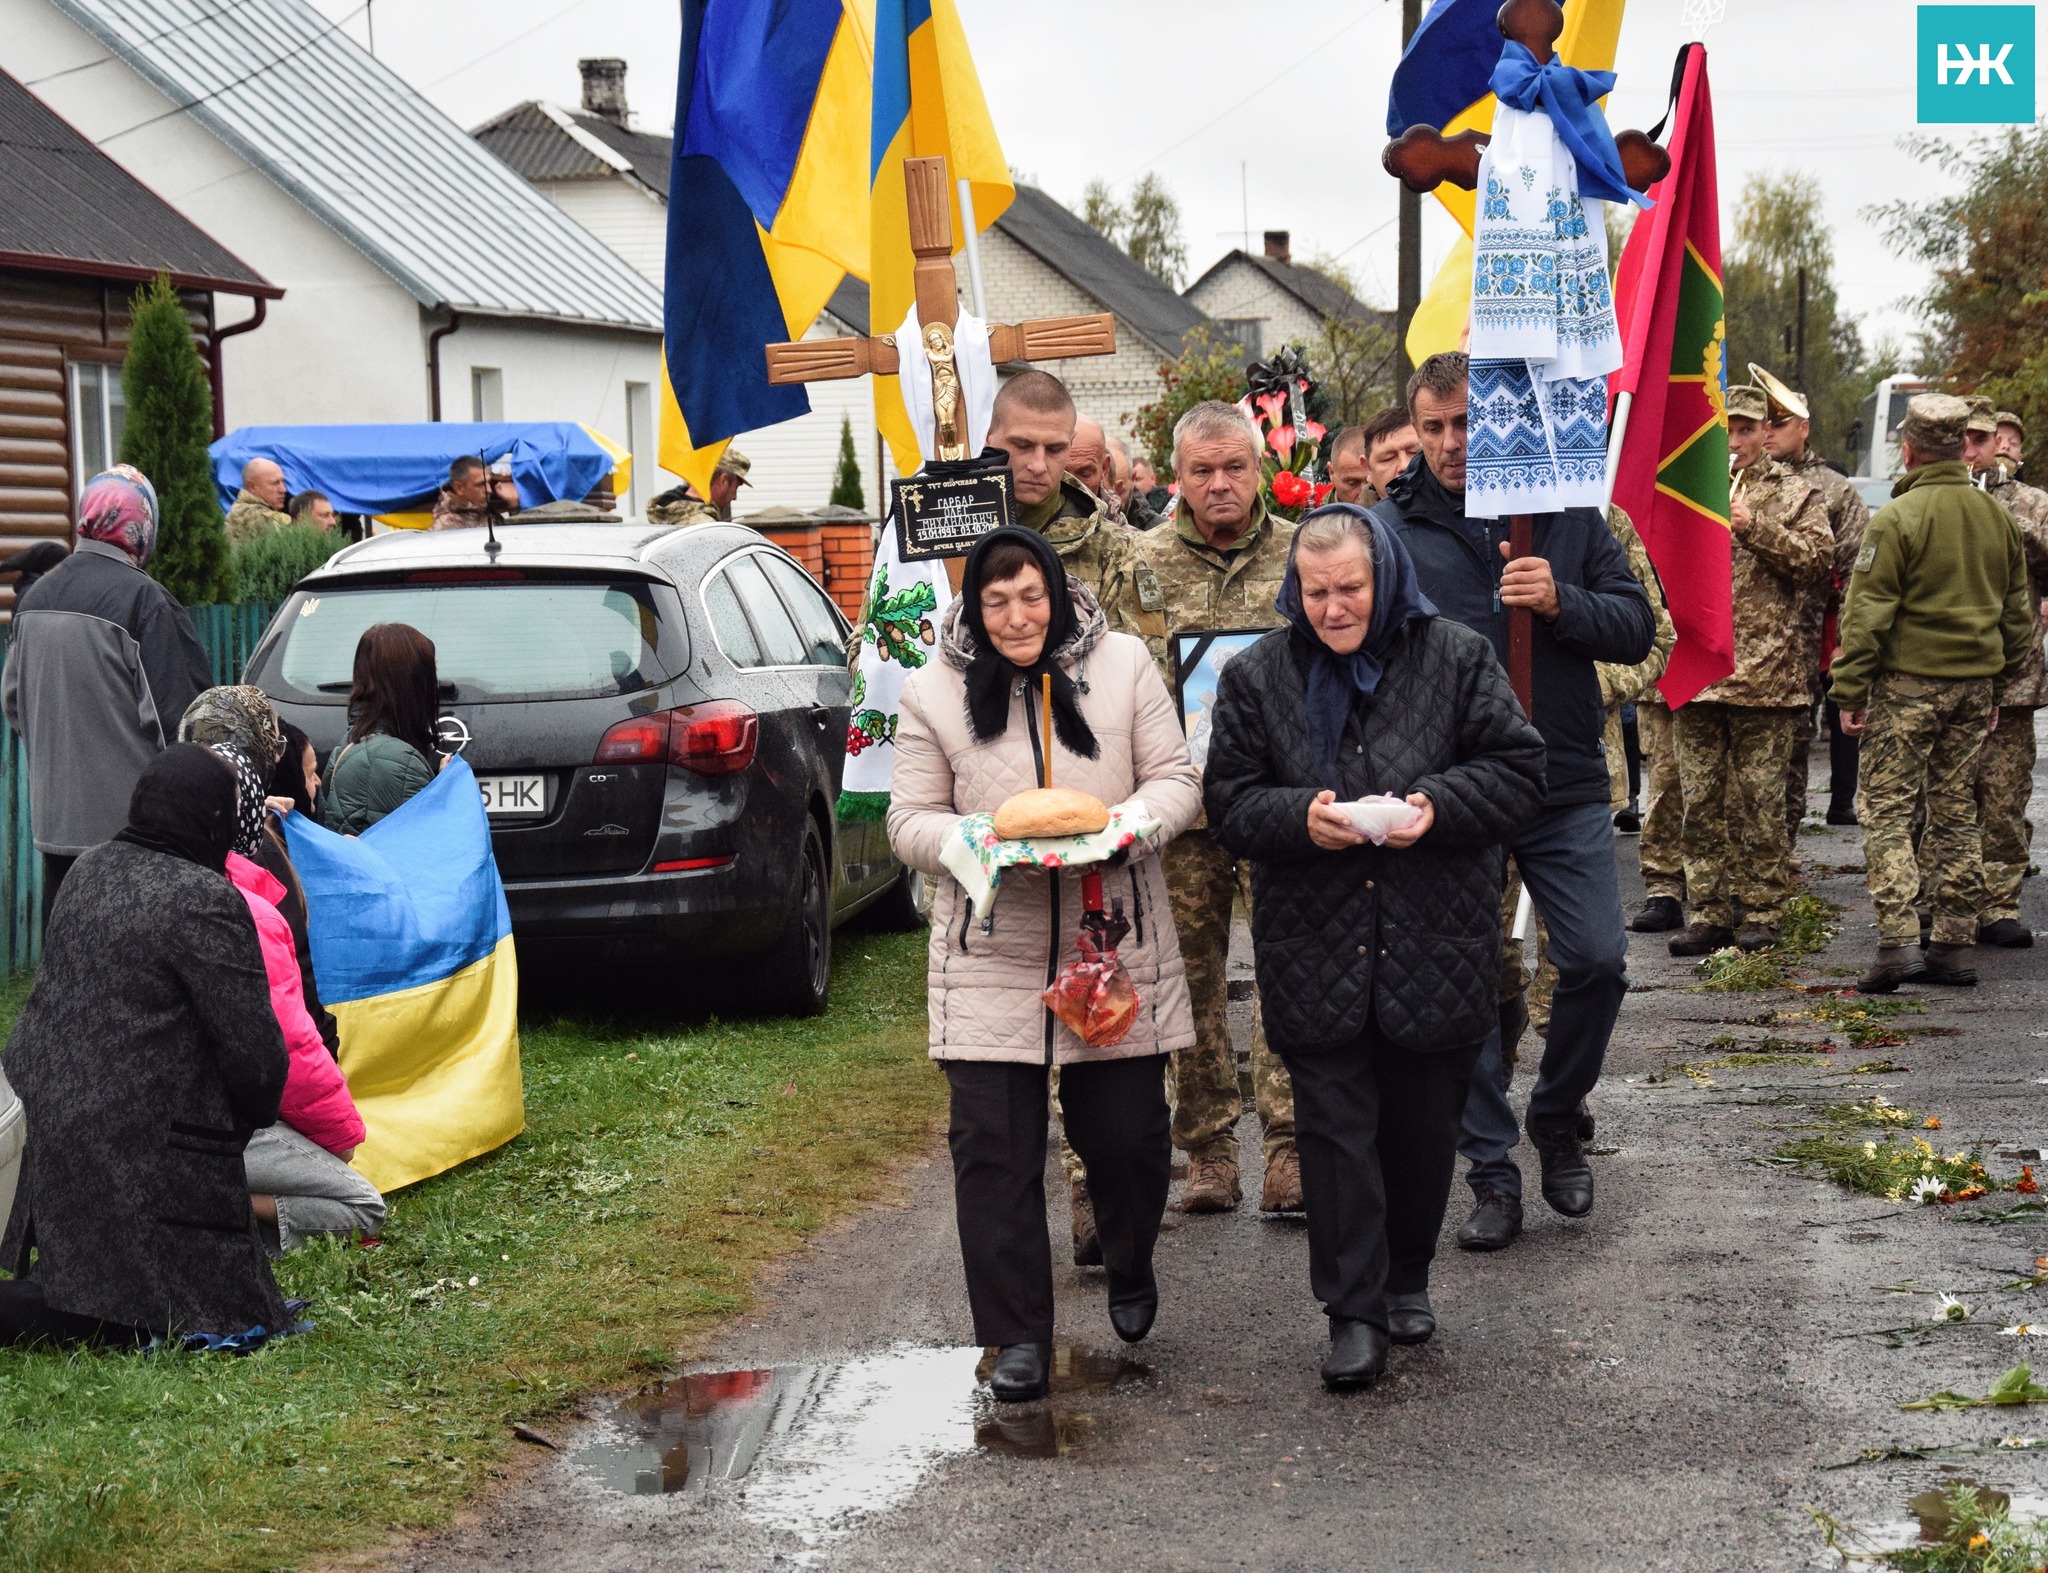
1442 82
927 103
767 207
412 949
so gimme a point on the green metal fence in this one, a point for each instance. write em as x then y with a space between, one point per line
228 634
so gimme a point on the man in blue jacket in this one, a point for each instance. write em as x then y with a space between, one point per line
1588 608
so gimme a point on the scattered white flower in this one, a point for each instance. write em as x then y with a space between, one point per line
474 1280
1951 1309
2018 1444
2025 1330
1925 1189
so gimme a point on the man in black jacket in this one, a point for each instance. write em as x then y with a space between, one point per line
1588 608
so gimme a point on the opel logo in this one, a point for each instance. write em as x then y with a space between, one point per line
451 733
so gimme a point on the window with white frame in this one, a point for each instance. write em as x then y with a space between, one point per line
99 412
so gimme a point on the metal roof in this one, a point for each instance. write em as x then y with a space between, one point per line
66 207
544 142
1065 242
360 148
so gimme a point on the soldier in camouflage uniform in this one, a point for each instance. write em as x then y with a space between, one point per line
1939 612
2005 769
1033 422
681 504
1735 737
1216 564
259 506
1788 439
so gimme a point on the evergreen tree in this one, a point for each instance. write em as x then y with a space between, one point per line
846 492
170 421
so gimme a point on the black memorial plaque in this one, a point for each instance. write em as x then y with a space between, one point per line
942 515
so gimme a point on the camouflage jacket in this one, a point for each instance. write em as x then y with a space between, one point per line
1621 685
1780 564
683 510
1093 547
1177 581
2029 508
250 517
1848 518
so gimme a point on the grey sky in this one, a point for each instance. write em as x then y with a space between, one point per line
1272 115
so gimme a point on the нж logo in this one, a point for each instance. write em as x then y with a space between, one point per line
1976 65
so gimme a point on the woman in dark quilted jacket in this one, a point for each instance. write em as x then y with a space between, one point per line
1377 964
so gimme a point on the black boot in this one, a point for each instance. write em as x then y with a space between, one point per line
1587 1126
2006 934
1495 1223
1567 1177
1020 1372
1410 1317
1358 1355
1658 915
1131 1312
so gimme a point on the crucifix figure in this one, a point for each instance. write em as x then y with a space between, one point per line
1423 158
930 203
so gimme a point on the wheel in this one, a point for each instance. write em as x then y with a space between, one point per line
904 907
794 978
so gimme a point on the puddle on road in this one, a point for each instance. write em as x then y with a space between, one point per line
1930 1518
820 1447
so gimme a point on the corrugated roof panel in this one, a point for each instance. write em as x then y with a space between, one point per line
364 151
65 202
527 140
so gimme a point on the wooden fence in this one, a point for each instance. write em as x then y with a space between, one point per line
229 635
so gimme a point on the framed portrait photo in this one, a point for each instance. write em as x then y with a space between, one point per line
1199 657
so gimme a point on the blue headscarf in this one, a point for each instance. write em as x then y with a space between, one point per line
1572 100
1336 681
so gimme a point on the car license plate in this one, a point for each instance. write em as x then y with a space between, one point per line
514 794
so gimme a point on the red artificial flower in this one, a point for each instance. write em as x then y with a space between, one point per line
1322 492
1290 490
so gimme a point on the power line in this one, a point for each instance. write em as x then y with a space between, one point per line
155 38
507 44
1272 81
240 81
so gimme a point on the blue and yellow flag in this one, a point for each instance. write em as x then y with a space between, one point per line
927 103
767 208
412 949
1442 81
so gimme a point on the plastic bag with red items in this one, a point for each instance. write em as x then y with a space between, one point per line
1095 996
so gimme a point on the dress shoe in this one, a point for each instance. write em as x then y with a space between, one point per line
1020 1373
1950 965
1658 915
1628 823
1212 1183
1702 939
1842 814
1087 1244
2006 934
1495 1223
1754 936
1358 1355
1282 1190
1895 964
1567 1177
1586 1124
1410 1320
1132 1313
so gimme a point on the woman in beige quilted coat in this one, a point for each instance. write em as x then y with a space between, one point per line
969 736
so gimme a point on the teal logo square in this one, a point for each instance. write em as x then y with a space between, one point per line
1976 65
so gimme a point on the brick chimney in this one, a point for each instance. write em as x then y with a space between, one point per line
1276 239
604 93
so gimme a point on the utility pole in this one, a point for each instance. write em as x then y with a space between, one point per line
1799 359
1410 287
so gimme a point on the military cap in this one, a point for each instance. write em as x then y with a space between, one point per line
1983 416
2008 418
734 463
1935 419
1745 400
1780 402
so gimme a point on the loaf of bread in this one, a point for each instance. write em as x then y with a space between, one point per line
1045 812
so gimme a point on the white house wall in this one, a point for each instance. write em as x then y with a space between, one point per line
623 214
1110 388
1243 293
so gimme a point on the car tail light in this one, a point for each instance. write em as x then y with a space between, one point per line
690 865
714 739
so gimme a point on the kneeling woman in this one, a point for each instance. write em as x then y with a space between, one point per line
967 739
1376 965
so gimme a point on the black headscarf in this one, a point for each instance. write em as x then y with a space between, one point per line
990 676
184 805
1336 682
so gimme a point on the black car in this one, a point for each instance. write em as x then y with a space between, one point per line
657 718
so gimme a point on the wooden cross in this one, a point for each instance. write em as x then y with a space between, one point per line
930 202
1423 158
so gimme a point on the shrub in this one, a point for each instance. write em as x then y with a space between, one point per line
170 421
266 568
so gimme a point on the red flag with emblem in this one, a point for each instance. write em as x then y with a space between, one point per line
1672 478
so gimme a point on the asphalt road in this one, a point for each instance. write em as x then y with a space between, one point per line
1661 1385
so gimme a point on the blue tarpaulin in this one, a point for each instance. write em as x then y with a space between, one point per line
390 469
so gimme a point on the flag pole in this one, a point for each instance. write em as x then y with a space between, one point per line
1623 402
971 230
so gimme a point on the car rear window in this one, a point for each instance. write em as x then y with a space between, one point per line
578 639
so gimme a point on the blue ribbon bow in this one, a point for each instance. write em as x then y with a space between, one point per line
1572 100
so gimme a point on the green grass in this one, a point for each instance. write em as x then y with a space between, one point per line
661 1168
